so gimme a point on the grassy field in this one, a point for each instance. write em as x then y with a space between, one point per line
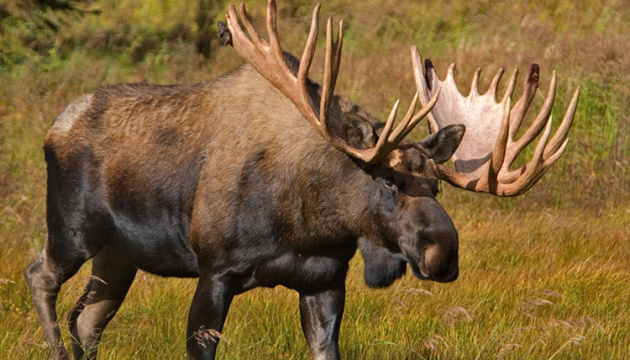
543 276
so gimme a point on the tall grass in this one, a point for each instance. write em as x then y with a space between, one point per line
544 275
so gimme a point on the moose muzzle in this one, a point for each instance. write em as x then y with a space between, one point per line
431 247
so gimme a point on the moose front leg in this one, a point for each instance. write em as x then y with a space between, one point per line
321 317
207 315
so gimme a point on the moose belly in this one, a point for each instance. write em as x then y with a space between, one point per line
302 272
157 244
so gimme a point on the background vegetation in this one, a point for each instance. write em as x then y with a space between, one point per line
544 276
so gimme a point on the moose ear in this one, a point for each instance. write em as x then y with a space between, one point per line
442 145
381 267
357 131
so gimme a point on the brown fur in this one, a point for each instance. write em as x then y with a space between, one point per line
227 181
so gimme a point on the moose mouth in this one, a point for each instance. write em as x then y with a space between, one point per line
418 266
421 266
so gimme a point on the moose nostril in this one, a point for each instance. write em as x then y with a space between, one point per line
432 255
437 252
440 263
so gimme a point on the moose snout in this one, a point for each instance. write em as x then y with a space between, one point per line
434 258
431 249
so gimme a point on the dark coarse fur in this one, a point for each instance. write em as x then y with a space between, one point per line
227 181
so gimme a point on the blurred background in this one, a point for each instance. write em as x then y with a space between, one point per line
543 275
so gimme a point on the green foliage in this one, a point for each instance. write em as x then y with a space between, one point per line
31 28
543 275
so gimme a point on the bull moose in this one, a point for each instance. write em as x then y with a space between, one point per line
264 178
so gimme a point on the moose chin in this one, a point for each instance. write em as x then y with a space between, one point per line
263 177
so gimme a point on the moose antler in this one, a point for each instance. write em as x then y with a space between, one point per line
268 60
488 149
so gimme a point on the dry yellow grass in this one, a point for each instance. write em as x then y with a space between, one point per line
544 276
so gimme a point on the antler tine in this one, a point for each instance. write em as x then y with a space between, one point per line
495 83
541 119
534 169
540 168
272 28
421 86
389 138
424 111
555 156
248 25
331 70
474 86
309 52
508 176
450 72
237 33
542 143
498 155
406 125
383 145
396 136
389 126
510 89
563 130
530 85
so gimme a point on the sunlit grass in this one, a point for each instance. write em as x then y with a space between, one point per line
555 286
543 276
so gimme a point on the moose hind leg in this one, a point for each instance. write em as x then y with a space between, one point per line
112 275
44 276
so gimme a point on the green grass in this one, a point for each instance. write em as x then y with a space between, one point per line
543 276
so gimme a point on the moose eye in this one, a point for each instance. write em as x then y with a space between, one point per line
389 184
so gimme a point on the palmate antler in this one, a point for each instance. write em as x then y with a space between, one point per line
268 60
488 149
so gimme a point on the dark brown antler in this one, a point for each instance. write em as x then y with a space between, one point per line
488 149
268 60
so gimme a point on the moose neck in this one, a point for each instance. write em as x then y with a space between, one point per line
315 190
